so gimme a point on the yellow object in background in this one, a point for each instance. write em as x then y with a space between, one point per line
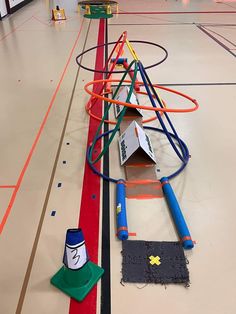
87 9
109 9
58 14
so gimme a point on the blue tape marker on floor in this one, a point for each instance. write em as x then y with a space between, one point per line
59 185
53 213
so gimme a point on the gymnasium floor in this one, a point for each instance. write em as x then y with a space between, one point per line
45 187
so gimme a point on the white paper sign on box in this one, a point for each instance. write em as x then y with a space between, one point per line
131 140
122 96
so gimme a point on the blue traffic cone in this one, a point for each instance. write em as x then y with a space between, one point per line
78 275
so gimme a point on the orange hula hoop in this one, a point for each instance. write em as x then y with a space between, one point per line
114 101
89 111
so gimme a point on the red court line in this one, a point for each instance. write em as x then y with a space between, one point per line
18 184
179 12
7 186
41 22
15 28
90 202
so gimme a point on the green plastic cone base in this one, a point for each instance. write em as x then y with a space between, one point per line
77 283
98 16
98 12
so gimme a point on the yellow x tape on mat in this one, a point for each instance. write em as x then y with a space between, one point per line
154 260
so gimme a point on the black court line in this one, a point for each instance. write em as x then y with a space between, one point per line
172 23
105 258
221 36
152 24
216 24
191 84
215 39
227 4
199 84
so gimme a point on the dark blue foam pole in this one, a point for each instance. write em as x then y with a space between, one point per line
120 60
122 226
177 215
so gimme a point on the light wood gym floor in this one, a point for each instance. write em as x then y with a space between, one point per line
44 129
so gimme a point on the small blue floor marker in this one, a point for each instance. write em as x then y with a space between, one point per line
59 185
53 213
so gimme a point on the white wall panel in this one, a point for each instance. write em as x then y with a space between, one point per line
3 8
14 2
